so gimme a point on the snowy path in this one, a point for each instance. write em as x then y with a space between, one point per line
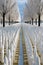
21 50
21 55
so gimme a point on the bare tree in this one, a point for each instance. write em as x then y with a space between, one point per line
37 5
5 7
29 11
13 14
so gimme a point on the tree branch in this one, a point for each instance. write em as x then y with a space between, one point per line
10 8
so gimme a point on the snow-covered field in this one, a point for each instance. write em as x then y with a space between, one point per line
8 42
33 40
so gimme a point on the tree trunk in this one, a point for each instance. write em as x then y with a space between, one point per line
9 20
3 19
32 21
38 19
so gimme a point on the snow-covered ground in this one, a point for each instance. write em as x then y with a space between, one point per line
33 40
41 24
8 42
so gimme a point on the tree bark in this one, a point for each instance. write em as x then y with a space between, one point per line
9 20
39 20
32 21
3 19
36 21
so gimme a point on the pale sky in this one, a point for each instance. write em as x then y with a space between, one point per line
21 4
21 1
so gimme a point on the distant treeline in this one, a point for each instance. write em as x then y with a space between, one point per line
10 22
33 21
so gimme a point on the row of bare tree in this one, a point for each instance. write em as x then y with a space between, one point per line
8 9
33 10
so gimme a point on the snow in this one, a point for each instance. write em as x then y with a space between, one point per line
8 42
33 36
